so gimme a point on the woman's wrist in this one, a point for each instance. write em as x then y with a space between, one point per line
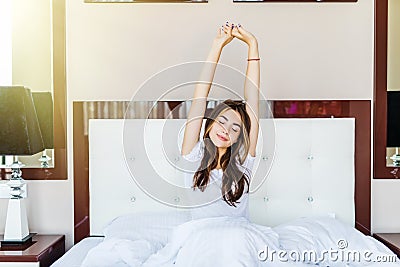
217 45
215 52
252 43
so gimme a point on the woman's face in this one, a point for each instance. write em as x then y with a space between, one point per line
226 129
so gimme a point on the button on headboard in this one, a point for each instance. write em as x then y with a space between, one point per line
304 167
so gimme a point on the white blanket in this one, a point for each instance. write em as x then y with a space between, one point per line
219 241
231 242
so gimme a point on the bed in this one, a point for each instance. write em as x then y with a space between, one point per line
301 201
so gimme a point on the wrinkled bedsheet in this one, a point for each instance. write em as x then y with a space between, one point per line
234 242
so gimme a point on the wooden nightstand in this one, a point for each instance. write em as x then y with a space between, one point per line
392 241
42 252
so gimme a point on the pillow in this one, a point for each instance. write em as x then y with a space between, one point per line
151 226
321 234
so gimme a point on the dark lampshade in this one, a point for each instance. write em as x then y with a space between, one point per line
44 110
19 128
393 119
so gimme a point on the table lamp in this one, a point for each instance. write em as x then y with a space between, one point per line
19 135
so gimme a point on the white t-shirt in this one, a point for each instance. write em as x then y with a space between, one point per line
213 205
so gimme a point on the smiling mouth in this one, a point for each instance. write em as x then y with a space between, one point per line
222 138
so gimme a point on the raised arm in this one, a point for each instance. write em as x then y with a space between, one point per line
252 83
202 88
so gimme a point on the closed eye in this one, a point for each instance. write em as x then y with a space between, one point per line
222 119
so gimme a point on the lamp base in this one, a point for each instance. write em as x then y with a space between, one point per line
16 228
27 239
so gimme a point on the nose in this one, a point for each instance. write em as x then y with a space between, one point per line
224 130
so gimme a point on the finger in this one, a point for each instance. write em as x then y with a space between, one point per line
235 32
227 27
240 28
230 29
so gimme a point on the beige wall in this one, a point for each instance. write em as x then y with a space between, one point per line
385 208
31 44
308 50
394 45
6 43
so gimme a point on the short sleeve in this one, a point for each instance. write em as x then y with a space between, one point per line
197 152
249 161
247 166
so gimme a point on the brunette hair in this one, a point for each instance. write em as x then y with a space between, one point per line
234 180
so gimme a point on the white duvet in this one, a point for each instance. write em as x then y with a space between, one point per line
231 242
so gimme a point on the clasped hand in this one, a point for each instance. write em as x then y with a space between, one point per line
229 31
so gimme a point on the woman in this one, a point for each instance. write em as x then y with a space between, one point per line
220 233
227 150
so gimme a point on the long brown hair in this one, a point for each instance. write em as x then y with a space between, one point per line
234 180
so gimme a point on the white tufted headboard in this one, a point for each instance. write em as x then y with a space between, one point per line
308 165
